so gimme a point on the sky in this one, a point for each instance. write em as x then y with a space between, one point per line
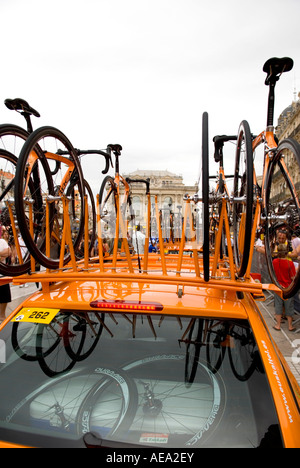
142 72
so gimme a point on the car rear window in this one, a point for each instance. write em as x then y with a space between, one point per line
142 380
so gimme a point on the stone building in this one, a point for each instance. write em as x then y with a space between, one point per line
289 122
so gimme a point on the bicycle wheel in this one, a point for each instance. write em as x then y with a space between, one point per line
282 210
91 326
102 399
43 159
58 345
110 406
12 139
186 415
215 351
205 195
244 356
23 340
243 198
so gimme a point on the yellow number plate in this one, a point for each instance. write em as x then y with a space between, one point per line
36 315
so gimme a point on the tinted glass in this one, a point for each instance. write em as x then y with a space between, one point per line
142 380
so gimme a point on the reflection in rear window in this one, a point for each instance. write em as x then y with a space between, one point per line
156 381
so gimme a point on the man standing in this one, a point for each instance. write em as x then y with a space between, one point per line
285 272
138 240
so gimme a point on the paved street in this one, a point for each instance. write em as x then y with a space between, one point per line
287 342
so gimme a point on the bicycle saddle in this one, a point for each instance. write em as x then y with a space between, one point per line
274 67
116 149
19 104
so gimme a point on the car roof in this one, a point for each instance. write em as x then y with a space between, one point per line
184 300
170 280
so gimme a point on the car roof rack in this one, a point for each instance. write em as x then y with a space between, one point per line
185 268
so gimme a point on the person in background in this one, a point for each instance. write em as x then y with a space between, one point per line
285 272
138 240
152 246
5 295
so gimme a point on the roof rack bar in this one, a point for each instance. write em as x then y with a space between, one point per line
125 241
67 237
182 241
86 233
146 250
253 236
193 240
116 238
223 220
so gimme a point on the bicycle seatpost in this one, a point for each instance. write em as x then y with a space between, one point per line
28 121
271 104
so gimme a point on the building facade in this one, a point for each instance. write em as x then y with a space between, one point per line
168 187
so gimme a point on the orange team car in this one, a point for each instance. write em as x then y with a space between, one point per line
114 359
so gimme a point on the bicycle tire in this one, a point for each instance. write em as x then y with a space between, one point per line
205 195
243 210
10 269
284 213
113 382
243 355
36 145
14 131
192 357
91 326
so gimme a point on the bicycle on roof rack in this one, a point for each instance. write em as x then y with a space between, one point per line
52 203
273 204
221 202
46 179
116 210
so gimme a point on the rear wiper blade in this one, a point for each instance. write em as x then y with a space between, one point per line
94 440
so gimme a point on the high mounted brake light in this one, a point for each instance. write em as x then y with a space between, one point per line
127 305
